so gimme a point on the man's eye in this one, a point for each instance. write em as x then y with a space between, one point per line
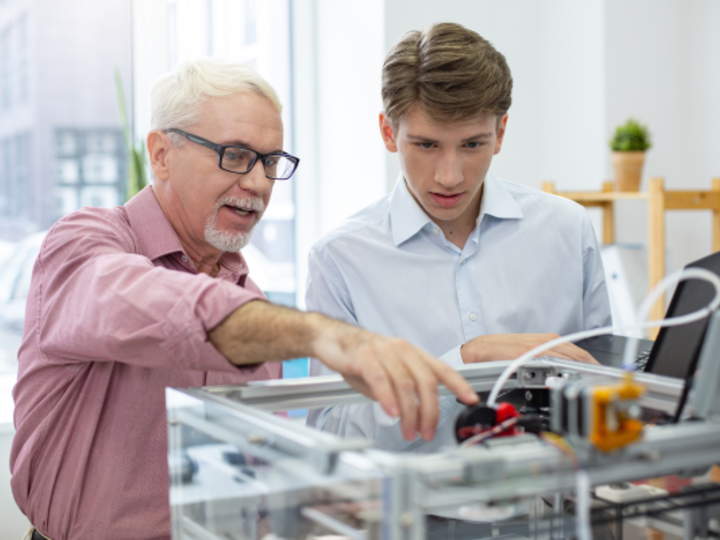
271 160
473 144
426 145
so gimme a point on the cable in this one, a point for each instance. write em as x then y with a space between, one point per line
565 447
632 345
480 437
583 484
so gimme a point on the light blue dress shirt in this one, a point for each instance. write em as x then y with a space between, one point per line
532 264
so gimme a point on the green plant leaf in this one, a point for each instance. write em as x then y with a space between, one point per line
137 176
631 137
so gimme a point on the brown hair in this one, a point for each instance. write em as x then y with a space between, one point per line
449 71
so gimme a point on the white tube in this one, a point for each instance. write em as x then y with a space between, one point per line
632 345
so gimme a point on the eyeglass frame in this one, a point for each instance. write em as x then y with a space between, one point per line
220 149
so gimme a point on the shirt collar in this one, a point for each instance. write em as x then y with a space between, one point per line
498 201
156 236
408 218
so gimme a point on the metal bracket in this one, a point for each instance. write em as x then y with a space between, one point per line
533 375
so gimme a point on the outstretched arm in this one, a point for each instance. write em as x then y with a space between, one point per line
402 377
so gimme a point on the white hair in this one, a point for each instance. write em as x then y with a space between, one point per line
176 97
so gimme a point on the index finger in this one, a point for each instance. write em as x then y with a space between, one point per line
455 382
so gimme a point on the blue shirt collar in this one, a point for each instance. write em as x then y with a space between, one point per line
498 201
407 218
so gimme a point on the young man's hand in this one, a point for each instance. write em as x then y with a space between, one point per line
510 346
402 377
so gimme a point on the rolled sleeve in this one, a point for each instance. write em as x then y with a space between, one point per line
98 301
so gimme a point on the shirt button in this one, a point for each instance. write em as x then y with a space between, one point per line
463 261
472 317
436 231
184 259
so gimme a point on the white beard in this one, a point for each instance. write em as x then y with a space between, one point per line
231 240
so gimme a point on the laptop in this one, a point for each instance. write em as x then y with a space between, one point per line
676 350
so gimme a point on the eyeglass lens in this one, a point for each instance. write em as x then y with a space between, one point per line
238 159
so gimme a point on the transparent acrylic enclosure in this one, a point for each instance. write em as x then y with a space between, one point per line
245 466
233 478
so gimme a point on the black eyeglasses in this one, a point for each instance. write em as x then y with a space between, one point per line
241 160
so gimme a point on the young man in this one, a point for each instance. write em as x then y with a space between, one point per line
455 260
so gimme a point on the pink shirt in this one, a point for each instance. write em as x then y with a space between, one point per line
115 314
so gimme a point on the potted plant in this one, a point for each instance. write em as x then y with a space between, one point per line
629 144
137 176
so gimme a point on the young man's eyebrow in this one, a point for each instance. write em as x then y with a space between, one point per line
422 138
484 135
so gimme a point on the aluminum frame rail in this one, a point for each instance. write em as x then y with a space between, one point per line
500 471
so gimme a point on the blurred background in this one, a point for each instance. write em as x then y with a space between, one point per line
73 73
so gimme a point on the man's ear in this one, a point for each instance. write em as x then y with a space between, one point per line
388 133
502 125
158 145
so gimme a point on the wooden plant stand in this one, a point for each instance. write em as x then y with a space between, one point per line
659 201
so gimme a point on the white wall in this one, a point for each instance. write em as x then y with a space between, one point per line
663 67
337 57
556 126
555 52
582 68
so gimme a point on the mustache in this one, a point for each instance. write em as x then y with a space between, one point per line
247 203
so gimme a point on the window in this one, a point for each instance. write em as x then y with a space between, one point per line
256 34
15 163
250 26
60 141
93 162
66 143
6 68
23 60
64 133
247 31
23 187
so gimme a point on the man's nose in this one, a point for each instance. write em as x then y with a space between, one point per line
255 180
448 170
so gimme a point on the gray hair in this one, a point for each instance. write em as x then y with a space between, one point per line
176 97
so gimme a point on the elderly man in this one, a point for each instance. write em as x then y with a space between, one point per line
127 301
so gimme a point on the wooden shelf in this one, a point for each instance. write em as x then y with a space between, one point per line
659 201
600 197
